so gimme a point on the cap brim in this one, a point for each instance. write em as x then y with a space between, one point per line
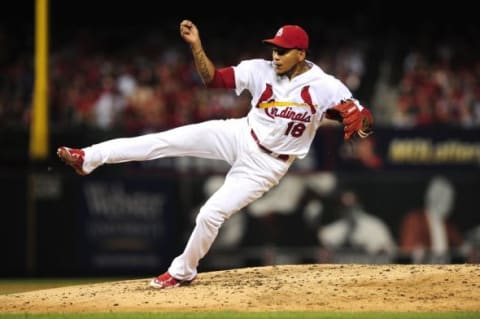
278 43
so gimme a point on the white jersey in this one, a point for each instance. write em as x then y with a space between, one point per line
286 113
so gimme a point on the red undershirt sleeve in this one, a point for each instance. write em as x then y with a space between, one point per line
223 78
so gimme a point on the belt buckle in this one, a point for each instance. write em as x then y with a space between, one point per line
282 157
276 155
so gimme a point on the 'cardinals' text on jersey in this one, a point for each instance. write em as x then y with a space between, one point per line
286 113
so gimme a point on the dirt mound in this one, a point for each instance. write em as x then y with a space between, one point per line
275 288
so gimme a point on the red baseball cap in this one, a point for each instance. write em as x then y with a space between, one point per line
290 37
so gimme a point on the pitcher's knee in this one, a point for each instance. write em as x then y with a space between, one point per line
210 218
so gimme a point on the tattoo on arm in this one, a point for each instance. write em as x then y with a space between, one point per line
204 65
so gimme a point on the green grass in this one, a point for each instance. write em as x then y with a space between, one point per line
254 315
9 286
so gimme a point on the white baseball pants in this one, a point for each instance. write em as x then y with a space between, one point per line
252 173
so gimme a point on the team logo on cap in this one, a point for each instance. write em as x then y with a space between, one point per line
279 32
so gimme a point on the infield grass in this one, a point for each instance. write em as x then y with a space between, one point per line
10 286
253 315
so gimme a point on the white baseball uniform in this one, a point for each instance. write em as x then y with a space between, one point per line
260 148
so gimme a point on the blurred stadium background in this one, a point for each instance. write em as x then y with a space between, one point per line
120 69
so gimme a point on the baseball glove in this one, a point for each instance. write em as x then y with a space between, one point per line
354 120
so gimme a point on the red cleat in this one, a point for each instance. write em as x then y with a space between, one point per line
165 280
73 157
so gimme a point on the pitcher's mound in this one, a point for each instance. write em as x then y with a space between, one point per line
318 287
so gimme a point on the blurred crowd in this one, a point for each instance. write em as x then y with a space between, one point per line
442 89
138 87
319 210
149 82
140 80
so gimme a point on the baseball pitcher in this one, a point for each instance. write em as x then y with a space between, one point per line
290 97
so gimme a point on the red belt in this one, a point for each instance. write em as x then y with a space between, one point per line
283 157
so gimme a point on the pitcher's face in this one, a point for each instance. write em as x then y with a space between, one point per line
286 61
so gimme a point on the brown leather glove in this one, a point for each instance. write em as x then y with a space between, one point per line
354 120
